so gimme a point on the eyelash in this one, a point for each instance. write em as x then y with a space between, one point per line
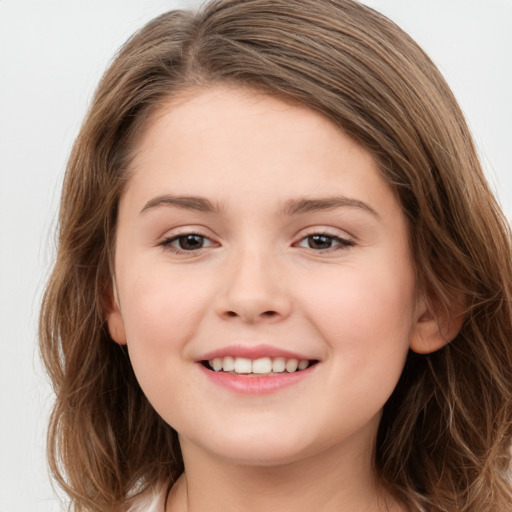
342 243
167 243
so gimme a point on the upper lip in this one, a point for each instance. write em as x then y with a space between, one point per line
252 352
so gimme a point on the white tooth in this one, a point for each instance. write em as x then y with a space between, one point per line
263 365
228 364
216 364
303 364
278 365
291 365
243 365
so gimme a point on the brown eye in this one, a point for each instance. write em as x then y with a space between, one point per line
320 242
188 242
324 242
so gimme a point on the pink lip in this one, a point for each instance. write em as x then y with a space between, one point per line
252 352
254 385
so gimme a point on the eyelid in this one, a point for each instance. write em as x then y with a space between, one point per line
327 231
183 230
344 240
173 238
170 236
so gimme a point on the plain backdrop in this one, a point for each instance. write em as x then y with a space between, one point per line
52 54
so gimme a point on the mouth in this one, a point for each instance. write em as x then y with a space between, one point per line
256 369
261 367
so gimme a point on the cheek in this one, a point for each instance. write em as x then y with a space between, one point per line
160 319
366 310
366 319
161 314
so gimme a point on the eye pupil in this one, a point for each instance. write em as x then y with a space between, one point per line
190 242
320 242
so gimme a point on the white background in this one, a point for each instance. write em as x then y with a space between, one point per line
52 54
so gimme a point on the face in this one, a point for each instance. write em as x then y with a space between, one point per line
263 279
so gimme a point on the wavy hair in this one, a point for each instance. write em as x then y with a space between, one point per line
445 435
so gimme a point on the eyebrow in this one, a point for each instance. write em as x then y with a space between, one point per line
290 208
199 204
305 205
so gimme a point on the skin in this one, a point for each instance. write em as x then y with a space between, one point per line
351 304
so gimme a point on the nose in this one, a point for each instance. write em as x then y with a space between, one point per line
254 289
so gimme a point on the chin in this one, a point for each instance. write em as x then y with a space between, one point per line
257 449
259 458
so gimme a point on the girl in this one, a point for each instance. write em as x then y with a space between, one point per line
282 281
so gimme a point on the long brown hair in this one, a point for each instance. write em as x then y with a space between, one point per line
445 435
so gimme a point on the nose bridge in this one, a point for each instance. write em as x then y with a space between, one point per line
254 289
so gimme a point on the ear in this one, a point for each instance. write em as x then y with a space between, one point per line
114 318
435 326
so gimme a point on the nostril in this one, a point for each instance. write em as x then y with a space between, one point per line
265 314
251 315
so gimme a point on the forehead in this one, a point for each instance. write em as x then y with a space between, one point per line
226 116
229 143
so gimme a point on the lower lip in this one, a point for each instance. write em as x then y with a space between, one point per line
252 385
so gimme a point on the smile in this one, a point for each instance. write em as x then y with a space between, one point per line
255 367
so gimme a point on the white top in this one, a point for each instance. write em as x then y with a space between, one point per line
151 501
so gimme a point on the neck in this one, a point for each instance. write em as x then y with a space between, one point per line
327 482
